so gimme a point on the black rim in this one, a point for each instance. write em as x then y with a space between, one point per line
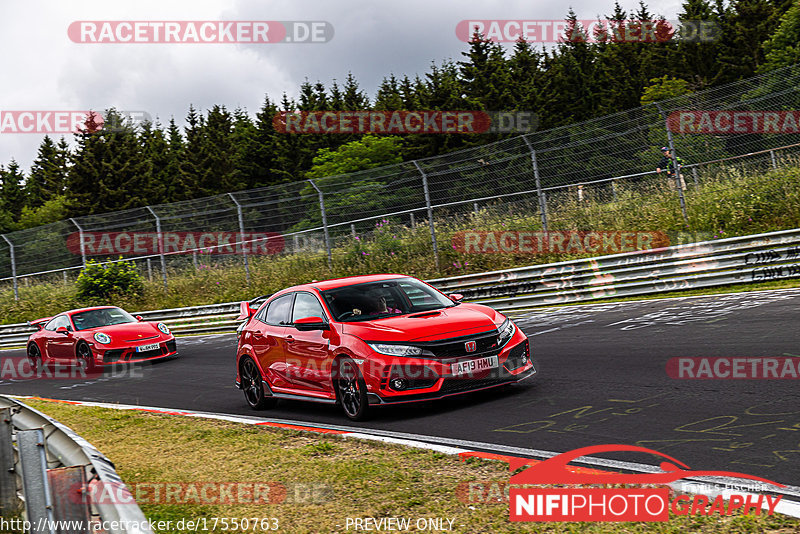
349 388
34 356
251 383
84 356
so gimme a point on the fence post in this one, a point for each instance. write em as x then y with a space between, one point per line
353 229
38 500
324 222
675 167
80 236
413 222
774 161
430 214
539 193
241 238
160 246
8 483
13 267
614 189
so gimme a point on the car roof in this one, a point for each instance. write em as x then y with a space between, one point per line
349 281
79 310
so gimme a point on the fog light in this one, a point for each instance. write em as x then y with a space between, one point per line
398 384
524 357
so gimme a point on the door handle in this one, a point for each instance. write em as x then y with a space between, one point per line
289 339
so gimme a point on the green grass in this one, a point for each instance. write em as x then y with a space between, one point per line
337 478
729 202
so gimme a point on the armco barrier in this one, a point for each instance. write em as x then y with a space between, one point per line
736 260
745 259
46 470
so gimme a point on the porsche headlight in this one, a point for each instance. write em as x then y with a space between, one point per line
163 328
506 330
395 350
100 337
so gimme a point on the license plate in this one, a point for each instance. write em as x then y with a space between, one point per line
473 366
145 348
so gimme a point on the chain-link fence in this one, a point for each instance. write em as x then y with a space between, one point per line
586 176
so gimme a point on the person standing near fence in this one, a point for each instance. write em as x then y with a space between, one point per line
667 164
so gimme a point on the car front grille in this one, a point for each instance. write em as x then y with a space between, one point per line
485 345
111 356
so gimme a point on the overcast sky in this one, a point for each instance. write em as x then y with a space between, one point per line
44 70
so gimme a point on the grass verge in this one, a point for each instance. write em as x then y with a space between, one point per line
353 478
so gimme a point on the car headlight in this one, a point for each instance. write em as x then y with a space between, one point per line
100 337
395 350
506 330
163 328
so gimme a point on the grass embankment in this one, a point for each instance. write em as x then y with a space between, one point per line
728 203
352 478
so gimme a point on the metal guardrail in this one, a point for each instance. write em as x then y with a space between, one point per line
47 471
736 260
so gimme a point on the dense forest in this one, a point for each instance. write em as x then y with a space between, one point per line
222 150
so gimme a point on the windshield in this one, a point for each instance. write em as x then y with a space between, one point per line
386 298
101 317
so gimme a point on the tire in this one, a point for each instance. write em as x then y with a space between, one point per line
252 387
35 358
83 353
351 390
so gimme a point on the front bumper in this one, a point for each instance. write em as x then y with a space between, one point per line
166 349
426 379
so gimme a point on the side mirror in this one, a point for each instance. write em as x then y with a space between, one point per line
311 323
139 318
456 297
62 330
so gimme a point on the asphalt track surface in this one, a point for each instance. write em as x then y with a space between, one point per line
602 380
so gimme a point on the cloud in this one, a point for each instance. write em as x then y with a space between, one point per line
43 69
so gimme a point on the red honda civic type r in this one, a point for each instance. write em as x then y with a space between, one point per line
97 336
374 340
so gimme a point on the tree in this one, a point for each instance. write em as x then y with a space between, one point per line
109 172
47 178
187 182
484 75
371 151
696 59
782 48
12 194
663 88
746 26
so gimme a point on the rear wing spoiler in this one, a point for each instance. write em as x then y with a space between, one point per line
248 308
39 323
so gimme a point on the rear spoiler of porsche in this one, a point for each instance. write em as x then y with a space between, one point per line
249 307
39 323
